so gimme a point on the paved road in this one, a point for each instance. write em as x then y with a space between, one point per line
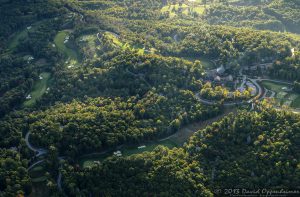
276 81
38 151
36 163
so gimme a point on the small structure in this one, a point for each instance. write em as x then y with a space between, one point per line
118 153
29 59
40 77
229 78
53 45
217 78
141 147
29 27
28 97
66 39
221 70
293 52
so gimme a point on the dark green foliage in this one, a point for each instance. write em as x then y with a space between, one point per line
163 172
250 150
14 178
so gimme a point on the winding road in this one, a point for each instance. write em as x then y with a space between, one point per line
38 151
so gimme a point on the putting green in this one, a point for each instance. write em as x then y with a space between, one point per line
126 151
59 42
38 89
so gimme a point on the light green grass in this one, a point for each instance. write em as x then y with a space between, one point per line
206 63
199 9
296 102
126 151
276 87
290 99
281 95
14 42
16 39
38 90
114 39
59 42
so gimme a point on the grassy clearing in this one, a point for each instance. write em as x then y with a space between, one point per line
59 42
16 39
38 90
126 151
296 103
22 35
290 99
276 87
186 9
206 63
114 39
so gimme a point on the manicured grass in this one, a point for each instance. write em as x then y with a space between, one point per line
14 42
114 39
16 39
59 42
276 87
296 102
206 63
126 151
291 99
38 89
199 9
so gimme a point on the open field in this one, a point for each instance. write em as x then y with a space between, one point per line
21 35
206 63
59 42
14 42
282 97
126 151
186 9
38 89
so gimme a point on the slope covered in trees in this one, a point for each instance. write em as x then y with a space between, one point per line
257 149
250 150
162 172
133 76
14 178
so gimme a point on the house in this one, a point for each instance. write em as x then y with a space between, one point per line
118 153
28 97
141 147
293 52
229 78
217 78
221 70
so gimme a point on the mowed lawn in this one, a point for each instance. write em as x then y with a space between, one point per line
289 98
59 42
126 151
186 9
16 39
206 63
38 89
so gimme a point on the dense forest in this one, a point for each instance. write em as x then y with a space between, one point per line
79 78
250 150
